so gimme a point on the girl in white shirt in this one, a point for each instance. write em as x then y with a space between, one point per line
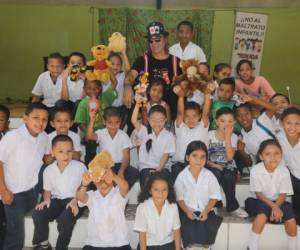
156 143
197 192
157 219
271 182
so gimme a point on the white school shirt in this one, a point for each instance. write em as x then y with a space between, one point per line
164 143
196 194
50 92
191 51
107 225
257 135
114 146
159 228
197 97
120 77
184 135
75 89
75 138
270 184
63 185
22 157
291 154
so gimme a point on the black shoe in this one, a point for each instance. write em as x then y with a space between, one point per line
43 247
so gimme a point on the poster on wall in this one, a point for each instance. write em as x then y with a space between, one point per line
248 41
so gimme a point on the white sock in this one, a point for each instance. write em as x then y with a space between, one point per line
253 242
292 243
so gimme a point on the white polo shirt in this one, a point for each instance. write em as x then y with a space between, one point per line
75 89
22 157
162 144
75 138
120 77
64 184
270 184
159 228
50 92
257 135
191 51
107 225
185 135
114 146
196 194
291 155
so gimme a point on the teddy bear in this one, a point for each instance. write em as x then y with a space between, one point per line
99 165
191 79
117 42
141 89
101 64
76 71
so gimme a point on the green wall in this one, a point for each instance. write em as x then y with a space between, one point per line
29 32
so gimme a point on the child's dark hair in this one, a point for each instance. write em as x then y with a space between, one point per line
98 83
205 64
153 109
228 81
243 105
266 143
61 138
224 111
157 176
289 111
220 66
110 112
193 106
5 110
79 54
115 54
156 81
35 105
60 109
57 56
241 62
196 145
279 94
185 23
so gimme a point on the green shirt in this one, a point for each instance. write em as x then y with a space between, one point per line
82 113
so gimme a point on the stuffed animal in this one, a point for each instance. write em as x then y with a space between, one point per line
191 79
99 165
76 71
101 64
141 89
117 42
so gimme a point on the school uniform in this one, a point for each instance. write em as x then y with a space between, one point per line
190 51
184 135
22 156
75 138
63 187
75 89
115 147
164 143
159 228
270 185
107 229
196 195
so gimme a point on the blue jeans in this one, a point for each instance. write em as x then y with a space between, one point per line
15 214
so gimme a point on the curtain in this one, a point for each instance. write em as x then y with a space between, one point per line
132 24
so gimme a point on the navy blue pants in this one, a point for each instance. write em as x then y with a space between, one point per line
176 168
131 174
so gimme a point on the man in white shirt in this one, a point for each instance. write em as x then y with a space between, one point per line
186 49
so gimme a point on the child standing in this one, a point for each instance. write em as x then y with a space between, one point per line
157 219
222 144
21 156
61 181
271 182
157 144
93 90
197 192
116 142
108 229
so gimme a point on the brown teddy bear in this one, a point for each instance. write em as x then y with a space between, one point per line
101 64
191 79
99 165
117 42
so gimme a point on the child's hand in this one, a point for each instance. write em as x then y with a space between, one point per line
43 204
86 179
92 115
245 98
108 176
203 215
190 213
66 72
7 197
73 206
276 214
228 130
210 88
241 146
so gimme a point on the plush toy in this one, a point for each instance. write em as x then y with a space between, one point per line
141 89
99 165
101 64
117 42
76 71
191 79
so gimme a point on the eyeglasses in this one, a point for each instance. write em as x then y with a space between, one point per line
154 40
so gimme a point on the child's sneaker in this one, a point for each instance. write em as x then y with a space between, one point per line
43 247
241 213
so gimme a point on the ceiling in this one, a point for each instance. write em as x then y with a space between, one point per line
166 4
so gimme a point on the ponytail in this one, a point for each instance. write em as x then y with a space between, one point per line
149 142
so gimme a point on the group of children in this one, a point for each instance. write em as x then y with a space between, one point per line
182 164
